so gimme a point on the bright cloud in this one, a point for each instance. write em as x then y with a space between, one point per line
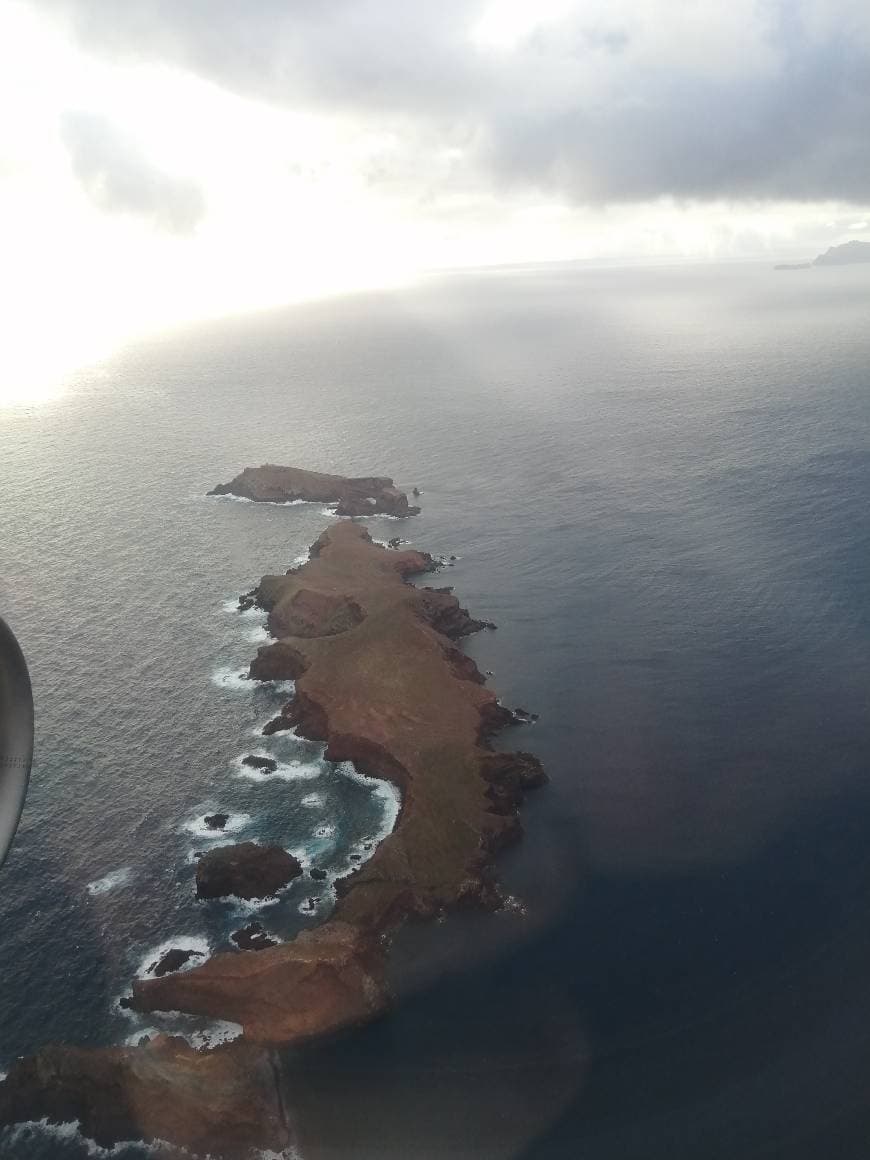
163 161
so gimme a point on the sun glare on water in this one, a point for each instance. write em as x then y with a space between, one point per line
37 362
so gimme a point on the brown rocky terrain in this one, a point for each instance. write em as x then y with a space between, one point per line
391 693
380 680
356 496
246 870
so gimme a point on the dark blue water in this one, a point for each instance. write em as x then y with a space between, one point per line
657 485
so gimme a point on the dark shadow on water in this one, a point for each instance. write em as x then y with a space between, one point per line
43 923
729 1012
718 1014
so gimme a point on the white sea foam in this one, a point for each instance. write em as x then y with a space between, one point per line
136 1037
244 908
233 680
387 544
312 800
221 1031
184 942
199 1033
511 904
288 734
386 791
199 829
302 854
286 771
231 605
21 1136
365 516
259 635
109 881
267 502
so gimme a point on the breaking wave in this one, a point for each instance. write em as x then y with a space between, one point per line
109 881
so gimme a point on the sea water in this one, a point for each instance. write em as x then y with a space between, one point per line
656 482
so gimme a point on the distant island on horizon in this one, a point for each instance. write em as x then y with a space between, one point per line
848 254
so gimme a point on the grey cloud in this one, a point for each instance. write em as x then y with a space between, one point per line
120 179
370 53
799 132
794 128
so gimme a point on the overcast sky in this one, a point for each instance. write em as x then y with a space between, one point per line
169 159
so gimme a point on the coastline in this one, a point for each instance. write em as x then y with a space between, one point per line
437 857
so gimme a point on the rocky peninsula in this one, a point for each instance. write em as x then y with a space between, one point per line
379 679
355 496
245 870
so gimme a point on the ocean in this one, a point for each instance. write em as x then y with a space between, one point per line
656 483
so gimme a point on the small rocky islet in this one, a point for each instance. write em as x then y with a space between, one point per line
366 495
380 681
173 960
253 937
245 870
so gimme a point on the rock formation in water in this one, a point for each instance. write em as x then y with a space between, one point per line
355 496
246 870
257 761
173 960
253 938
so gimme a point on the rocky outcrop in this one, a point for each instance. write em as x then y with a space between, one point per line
355 496
258 761
173 960
246 870
216 821
223 1102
